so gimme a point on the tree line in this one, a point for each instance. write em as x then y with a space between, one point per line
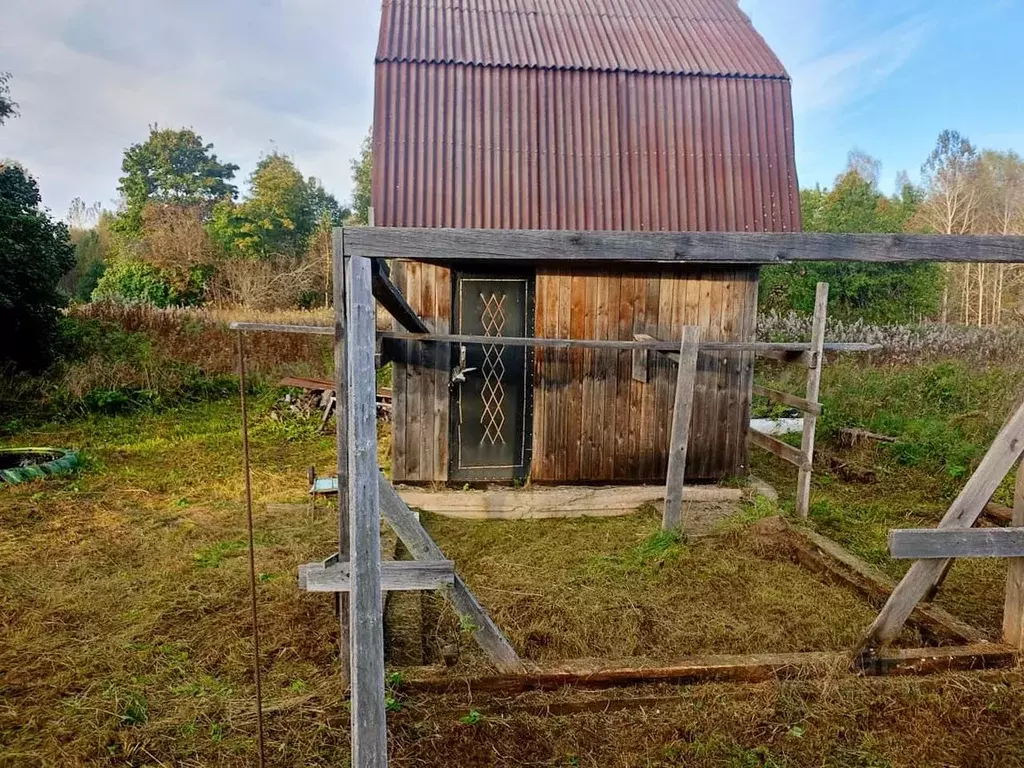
182 233
962 190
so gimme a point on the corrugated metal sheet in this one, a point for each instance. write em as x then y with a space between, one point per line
711 37
458 146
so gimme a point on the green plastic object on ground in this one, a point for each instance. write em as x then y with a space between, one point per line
18 465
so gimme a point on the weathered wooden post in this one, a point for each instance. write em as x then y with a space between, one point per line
803 487
673 516
369 725
1013 609
341 433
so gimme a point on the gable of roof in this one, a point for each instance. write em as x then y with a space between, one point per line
684 37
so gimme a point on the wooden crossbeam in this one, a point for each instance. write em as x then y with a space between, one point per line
647 342
943 543
773 445
518 246
1002 455
785 398
395 576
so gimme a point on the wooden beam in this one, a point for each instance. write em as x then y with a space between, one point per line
598 674
1004 452
784 451
369 725
518 246
785 398
1013 607
672 517
395 576
821 554
758 347
341 438
416 539
387 293
316 330
803 482
944 543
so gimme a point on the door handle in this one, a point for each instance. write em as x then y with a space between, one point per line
459 374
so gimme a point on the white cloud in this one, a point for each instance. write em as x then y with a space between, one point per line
837 58
91 76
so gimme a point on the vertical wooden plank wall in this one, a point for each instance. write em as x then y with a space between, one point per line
592 422
419 438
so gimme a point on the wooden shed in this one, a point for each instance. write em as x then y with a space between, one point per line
638 115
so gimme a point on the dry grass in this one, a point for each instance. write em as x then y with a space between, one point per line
124 636
619 587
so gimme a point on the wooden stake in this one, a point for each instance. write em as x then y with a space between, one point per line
341 413
1013 610
673 517
369 725
803 485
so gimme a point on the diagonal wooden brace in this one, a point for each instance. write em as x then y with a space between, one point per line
1005 451
416 539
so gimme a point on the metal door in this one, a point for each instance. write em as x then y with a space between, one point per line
491 383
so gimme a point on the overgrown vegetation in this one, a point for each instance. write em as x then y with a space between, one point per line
116 358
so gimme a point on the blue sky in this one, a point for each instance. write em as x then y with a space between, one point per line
887 76
297 76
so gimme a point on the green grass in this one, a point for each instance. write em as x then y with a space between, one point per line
124 613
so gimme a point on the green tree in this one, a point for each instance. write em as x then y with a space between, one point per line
8 108
279 216
35 252
877 293
171 166
362 180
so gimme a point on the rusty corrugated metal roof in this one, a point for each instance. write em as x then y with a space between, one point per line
685 37
502 148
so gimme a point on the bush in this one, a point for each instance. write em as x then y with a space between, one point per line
35 252
136 282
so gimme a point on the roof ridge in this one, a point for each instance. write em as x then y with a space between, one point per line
706 37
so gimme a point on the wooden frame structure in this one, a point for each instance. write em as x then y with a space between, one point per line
356 572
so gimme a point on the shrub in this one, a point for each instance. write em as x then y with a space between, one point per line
136 282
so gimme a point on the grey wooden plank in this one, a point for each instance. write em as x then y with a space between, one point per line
1013 607
773 445
785 398
416 539
943 543
1004 452
395 576
672 518
318 330
387 293
341 434
450 245
803 483
671 347
369 726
